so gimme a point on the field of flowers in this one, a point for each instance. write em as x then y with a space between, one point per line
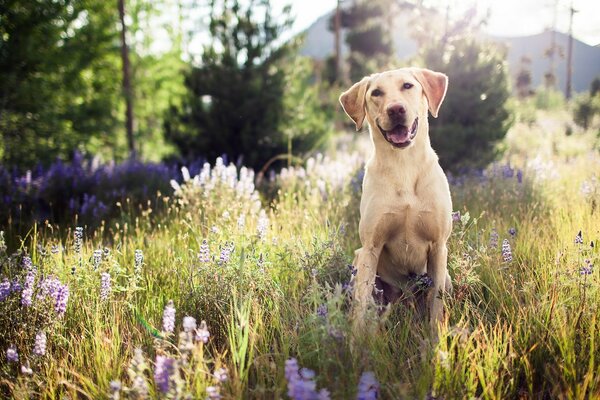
206 287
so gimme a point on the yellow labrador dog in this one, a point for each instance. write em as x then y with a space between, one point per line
405 209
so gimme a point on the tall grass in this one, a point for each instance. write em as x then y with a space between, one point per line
271 281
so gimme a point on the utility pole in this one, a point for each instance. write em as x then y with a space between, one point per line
126 80
570 52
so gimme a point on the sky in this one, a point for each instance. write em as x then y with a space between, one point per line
508 17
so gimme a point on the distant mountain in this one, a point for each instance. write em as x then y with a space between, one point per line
319 44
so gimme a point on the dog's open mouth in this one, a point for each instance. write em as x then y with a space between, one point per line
400 135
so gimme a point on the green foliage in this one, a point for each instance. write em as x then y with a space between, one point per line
548 98
58 64
585 109
474 116
368 37
236 101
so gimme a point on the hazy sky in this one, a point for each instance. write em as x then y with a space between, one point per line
508 17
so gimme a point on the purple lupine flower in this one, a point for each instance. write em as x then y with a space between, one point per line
225 255
164 369
322 311
506 251
494 239
27 264
97 258
204 253
4 289
189 324
221 374
456 216
78 235
301 384
587 269
579 238
26 370
48 287
27 293
169 317
139 385
202 333
212 393
11 354
520 175
368 387
512 232
61 299
39 347
104 286
115 389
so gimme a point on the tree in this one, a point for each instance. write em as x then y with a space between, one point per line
235 100
474 116
58 63
368 37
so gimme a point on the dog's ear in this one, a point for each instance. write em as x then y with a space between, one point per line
434 85
353 101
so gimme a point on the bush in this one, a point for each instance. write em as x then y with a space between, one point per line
549 99
474 116
82 188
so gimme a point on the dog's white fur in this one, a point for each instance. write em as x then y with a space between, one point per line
405 206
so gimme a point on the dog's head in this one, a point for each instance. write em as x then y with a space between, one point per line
394 101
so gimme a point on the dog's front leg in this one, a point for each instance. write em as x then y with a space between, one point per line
365 262
437 262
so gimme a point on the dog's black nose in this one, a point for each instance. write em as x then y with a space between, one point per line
395 110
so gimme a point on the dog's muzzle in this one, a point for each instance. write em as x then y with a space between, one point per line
400 136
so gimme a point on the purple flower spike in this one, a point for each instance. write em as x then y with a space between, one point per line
368 387
163 371
27 293
202 333
4 289
61 299
11 354
104 286
506 251
169 317
39 348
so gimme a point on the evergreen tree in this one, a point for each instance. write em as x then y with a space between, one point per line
235 101
58 63
474 116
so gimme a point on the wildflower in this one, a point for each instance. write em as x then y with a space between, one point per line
61 299
27 264
104 286
204 254
520 175
54 249
512 232
165 367
202 333
263 225
138 261
185 173
579 238
241 222
97 258
368 387
27 292
78 239
39 347
26 370
106 253
115 389
587 268
214 229
423 282
506 251
169 317
226 251
136 371
212 393
4 289
456 216
221 374
301 384
322 311
225 215
189 324
11 354
494 239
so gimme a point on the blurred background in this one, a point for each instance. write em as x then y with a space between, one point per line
105 100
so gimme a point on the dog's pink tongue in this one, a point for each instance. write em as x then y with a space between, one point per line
398 135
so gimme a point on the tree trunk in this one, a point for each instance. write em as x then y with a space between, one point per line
127 91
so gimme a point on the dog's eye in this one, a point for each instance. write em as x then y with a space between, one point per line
407 85
376 93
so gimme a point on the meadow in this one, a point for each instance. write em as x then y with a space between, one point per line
211 288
